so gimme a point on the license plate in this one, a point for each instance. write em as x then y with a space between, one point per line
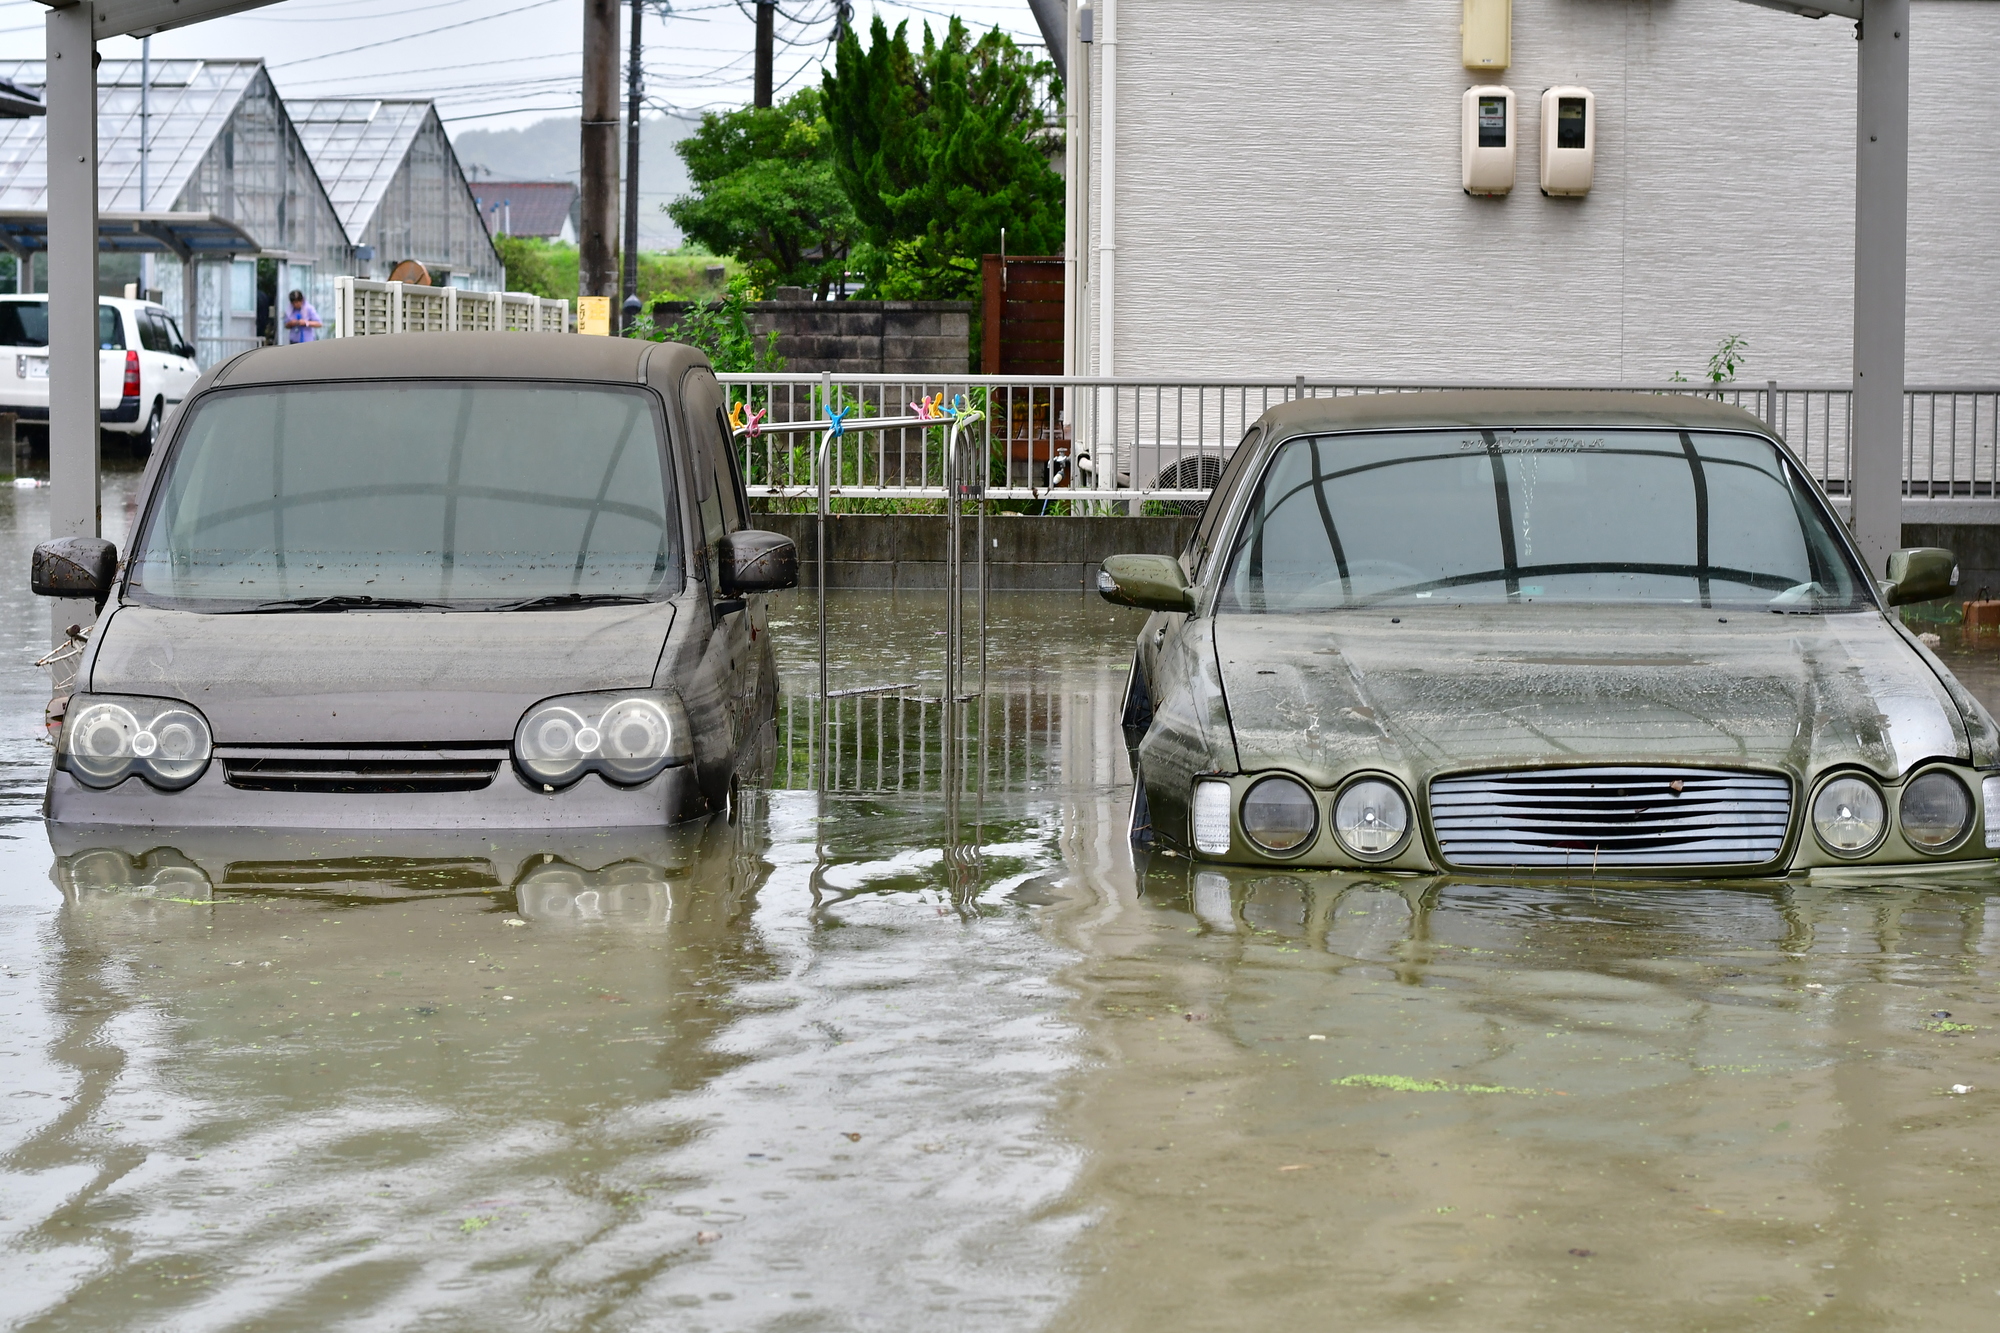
37 367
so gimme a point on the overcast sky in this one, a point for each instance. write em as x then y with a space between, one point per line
494 64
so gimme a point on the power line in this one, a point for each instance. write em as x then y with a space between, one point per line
412 36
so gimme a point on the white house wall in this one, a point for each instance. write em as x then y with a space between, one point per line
1289 200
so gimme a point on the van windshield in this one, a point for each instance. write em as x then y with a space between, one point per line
1428 517
458 493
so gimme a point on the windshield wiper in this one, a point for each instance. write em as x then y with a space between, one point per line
566 599
344 601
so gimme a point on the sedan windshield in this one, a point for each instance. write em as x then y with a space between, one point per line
453 494
1424 517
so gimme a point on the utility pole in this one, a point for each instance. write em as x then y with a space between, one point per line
597 246
635 87
767 11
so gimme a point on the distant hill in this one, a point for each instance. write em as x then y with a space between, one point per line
548 150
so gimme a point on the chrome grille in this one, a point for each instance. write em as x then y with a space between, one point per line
1584 817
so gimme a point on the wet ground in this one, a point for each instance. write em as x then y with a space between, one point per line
880 1058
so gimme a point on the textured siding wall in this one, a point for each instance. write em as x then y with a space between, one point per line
1289 201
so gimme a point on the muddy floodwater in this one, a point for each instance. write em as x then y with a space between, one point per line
917 1045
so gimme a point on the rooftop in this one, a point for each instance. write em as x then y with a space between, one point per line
356 145
191 100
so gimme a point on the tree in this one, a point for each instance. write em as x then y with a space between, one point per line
545 268
940 149
765 192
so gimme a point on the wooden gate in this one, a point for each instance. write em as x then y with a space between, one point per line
1021 333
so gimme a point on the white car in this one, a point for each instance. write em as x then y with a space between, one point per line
145 365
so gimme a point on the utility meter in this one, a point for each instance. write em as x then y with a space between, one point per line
1569 140
1488 143
1486 32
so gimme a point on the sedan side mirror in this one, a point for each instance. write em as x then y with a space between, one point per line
74 567
1920 574
1153 582
756 561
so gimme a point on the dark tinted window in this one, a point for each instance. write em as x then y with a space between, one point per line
24 324
180 345
153 334
474 492
110 329
1417 517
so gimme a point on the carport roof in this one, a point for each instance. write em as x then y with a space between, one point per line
189 235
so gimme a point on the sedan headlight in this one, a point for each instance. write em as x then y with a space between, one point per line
1371 818
627 736
1279 814
1935 811
1849 816
107 738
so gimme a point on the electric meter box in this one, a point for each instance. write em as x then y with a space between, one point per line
1486 32
1489 139
1569 140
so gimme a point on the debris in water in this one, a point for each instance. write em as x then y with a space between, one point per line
516 921
1397 1083
1930 640
1583 1254
1315 1036
1960 1089
707 1237
854 1138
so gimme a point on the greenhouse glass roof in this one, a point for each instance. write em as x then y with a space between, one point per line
356 145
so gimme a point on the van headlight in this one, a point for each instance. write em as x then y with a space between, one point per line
626 736
106 738
1849 816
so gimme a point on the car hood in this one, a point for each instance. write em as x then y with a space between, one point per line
375 677
1424 691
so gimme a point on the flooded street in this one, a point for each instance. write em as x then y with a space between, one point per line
880 1058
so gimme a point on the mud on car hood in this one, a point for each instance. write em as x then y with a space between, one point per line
380 677
1458 688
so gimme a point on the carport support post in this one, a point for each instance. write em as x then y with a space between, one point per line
72 158
1881 269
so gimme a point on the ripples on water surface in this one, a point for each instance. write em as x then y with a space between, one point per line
873 1059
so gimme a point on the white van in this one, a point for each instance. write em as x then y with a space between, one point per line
145 365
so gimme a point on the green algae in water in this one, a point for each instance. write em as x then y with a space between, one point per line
1397 1083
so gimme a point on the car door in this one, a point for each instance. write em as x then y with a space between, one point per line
737 639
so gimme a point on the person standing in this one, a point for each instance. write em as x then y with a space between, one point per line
301 321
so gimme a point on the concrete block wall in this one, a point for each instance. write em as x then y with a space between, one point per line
906 552
918 338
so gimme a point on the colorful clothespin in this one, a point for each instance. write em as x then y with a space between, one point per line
750 427
838 419
928 409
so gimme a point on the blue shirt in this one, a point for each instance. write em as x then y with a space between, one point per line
301 334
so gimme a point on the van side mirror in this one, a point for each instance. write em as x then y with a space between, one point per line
74 567
1919 575
1152 582
757 561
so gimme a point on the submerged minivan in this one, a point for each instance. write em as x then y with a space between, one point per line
438 580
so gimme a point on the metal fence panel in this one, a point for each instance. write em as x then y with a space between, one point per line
1126 441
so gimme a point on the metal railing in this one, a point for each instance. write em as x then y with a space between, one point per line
1132 440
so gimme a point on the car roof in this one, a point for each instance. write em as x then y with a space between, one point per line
1499 409
525 356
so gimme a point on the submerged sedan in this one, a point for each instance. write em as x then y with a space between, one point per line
499 580
1551 632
